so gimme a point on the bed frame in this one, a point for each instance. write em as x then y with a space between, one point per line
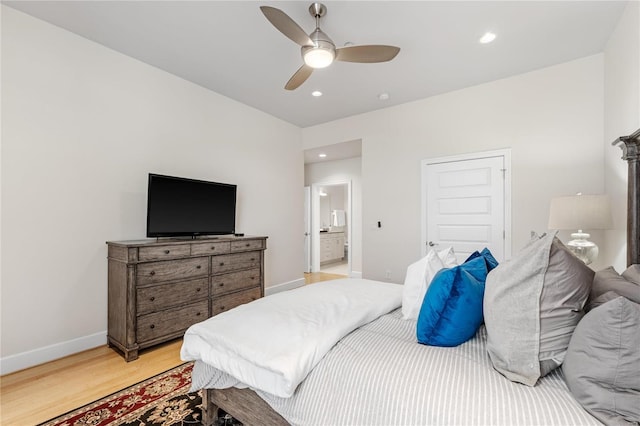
631 153
247 407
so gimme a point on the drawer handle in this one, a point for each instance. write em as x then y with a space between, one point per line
213 247
153 326
152 298
198 289
221 284
152 273
252 259
199 266
247 245
253 278
222 307
221 263
198 314
167 251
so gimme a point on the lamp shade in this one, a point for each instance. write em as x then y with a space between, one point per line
583 212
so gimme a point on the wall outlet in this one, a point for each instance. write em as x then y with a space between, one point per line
387 274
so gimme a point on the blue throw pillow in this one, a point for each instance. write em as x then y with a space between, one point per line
451 311
488 257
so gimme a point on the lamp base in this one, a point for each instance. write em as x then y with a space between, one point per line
585 250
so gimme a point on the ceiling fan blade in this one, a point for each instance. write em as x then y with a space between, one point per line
286 25
366 53
299 77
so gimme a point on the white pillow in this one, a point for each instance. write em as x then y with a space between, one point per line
448 257
418 278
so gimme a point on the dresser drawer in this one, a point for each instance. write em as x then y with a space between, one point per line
155 325
159 297
247 245
207 249
234 281
163 252
224 303
172 270
231 262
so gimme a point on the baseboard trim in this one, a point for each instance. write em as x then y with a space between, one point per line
355 274
284 287
12 363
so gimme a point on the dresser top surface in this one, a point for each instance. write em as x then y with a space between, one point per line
149 242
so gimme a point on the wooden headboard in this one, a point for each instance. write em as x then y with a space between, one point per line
631 153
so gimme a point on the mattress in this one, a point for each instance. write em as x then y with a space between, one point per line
379 375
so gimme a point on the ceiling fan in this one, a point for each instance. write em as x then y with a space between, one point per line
318 51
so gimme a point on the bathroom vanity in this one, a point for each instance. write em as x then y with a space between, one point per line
331 246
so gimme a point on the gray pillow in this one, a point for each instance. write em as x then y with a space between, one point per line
532 304
607 280
632 273
602 365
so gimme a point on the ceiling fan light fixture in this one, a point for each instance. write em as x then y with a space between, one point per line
487 38
318 57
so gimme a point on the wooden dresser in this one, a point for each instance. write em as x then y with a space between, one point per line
158 288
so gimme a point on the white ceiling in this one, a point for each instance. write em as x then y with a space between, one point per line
230 47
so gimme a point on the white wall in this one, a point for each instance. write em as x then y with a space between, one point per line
82 128
621 118
344 171
551 118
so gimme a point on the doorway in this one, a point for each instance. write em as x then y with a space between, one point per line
335 166
331 228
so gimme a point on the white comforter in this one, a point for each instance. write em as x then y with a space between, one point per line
271 344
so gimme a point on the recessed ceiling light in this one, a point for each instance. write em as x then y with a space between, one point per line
488 37
322 155
316 93
383 96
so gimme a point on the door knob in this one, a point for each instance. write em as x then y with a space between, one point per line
431 244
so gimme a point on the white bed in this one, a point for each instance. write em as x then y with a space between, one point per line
376 374
379 375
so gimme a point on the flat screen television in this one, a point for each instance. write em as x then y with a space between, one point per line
188 207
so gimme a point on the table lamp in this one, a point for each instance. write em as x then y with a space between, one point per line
581 212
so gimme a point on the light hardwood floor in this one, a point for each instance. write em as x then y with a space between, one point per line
37 394
316 277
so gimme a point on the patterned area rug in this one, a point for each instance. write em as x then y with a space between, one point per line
161 400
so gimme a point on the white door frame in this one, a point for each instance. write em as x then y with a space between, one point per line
315 223
307 229
506 154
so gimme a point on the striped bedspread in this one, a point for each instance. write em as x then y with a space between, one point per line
378 375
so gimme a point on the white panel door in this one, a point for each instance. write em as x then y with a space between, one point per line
465 205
